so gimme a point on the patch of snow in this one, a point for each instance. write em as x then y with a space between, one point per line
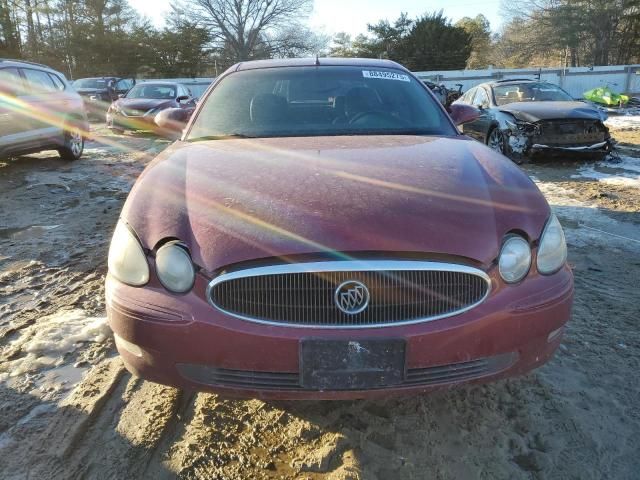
629 174
625 163
623 122
585 224
96 151
56 336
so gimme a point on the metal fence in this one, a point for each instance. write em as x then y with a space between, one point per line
575 80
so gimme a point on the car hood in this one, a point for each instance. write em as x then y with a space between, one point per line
237 200
536 111
143 104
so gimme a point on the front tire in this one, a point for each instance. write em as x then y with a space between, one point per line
496 140
73 144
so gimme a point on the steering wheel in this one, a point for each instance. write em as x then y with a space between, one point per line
377 114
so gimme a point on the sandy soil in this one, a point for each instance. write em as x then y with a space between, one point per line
68 409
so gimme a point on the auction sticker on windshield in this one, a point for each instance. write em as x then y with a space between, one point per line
385 75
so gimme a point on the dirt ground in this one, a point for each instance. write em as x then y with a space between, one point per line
68 409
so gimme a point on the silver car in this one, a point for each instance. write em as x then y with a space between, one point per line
39 110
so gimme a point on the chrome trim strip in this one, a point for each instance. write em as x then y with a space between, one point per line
346 266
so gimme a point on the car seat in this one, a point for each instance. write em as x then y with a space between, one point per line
358 100
267 108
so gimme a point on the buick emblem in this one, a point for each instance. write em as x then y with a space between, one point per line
351 297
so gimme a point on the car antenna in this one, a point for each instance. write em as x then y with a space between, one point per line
317 60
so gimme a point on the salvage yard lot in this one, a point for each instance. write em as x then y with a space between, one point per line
68 409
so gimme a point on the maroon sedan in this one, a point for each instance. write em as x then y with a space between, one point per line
138 108
323 231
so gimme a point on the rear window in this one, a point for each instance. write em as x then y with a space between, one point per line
312 101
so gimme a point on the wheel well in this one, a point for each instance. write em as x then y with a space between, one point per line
76 121
492 127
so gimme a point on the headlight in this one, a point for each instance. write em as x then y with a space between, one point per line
174 268
552 252
127 261
515 259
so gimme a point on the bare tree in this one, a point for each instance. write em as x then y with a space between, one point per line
246 29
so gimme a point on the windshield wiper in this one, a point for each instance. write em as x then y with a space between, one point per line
219 137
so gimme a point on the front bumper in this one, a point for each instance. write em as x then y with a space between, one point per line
142 122
600 147
181 340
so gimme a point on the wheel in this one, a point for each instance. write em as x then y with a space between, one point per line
73 144
495 140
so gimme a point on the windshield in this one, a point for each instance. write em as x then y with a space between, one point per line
311 101
97 83
530 92
152 90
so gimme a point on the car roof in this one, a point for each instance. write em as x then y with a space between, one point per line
311 62
95 78
513 81
157 82
8 62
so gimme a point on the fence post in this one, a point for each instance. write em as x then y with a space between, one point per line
627 80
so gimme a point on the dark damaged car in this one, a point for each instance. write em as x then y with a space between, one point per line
528 118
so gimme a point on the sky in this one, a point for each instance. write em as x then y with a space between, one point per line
352 16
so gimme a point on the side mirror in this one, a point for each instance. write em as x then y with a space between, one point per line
461 113
172 121
121 95
182 98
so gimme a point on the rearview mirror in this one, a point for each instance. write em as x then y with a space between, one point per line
172 121
461 113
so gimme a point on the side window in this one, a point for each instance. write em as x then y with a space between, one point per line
481 98
38 82
57 82
468 97
11 82
124 84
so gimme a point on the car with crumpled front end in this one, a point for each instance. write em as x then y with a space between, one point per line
322 230
525 119
137 109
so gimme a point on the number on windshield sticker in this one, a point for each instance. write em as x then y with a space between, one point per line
385 75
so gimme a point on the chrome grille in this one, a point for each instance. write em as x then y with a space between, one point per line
304 294
570 133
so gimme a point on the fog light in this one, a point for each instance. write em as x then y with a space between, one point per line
555 334
132 348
